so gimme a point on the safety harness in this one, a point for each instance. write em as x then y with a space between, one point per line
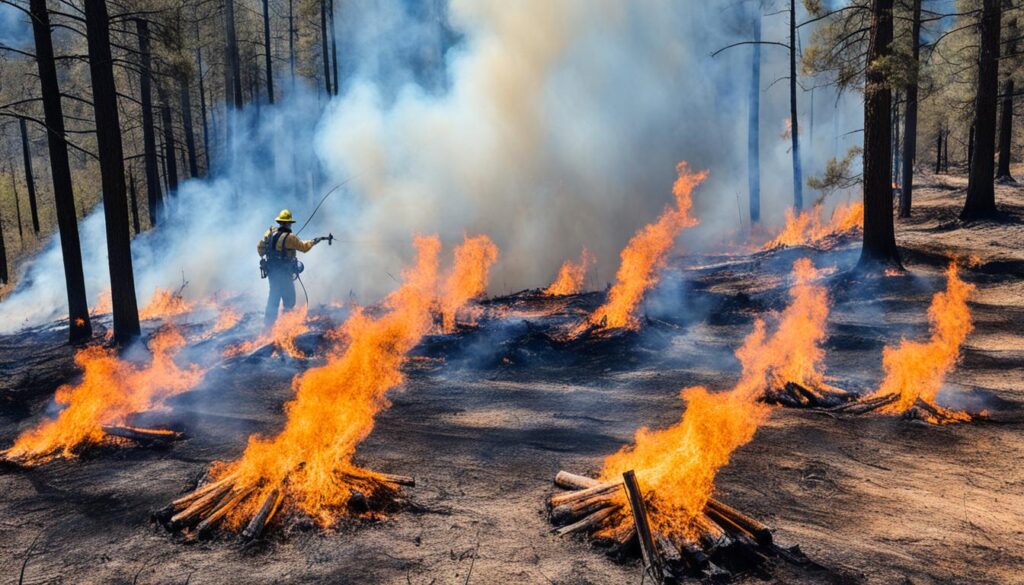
277 258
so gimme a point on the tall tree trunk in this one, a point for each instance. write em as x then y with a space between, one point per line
945 150
323 47
981 195
266 50
938 152
186 122
910 123
170 151
80 327
5 277
291 41
108 141
754 122
202 107
970 148
234 67
134 202
879 248
30 181
334 50
798 180
17 207
895 148
1006 111
154 196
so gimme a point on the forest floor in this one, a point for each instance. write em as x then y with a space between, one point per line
485 426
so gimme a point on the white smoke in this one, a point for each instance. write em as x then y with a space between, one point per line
556 125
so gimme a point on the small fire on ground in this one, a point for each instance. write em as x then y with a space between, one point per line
811 228
915 371
112 389
644 257
692 532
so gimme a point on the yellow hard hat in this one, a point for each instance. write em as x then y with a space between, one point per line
284 217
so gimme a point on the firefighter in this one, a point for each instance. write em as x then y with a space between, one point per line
279 265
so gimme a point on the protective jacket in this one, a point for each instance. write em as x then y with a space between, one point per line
281 244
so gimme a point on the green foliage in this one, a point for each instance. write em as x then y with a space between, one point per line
837 175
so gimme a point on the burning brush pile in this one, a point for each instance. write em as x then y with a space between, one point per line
810 228
916 370
100 408
307 470
657 493
642 260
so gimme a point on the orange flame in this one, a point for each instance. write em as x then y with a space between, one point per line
282 335
468 276
916 370
571 276
110 390
645 255
165 304
677 465
227 317
104 303
809 228
335 404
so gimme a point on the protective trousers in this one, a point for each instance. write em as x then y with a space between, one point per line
282 290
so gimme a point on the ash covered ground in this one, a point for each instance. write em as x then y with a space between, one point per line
490 414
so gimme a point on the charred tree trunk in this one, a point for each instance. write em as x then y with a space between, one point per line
970 148
323 47
186 122
266 50
1006 111
154 196
910 119
30 181
798 180
134 202
938 152
170 151
754 123
60 172
5 277
895 139
234 67
291 41
334 49
945 151
17 208
108 141
879 248
202 104
981 195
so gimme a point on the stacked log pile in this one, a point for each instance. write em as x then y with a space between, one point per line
729 542
199 513
794 395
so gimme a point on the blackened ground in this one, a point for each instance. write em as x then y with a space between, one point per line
489 415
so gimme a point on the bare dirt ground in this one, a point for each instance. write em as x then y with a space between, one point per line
871 499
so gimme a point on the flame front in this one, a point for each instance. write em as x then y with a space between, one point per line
916 370
110 390
677 466
165 304
571 276
644 256
468 276
289 326
809 228
335 404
